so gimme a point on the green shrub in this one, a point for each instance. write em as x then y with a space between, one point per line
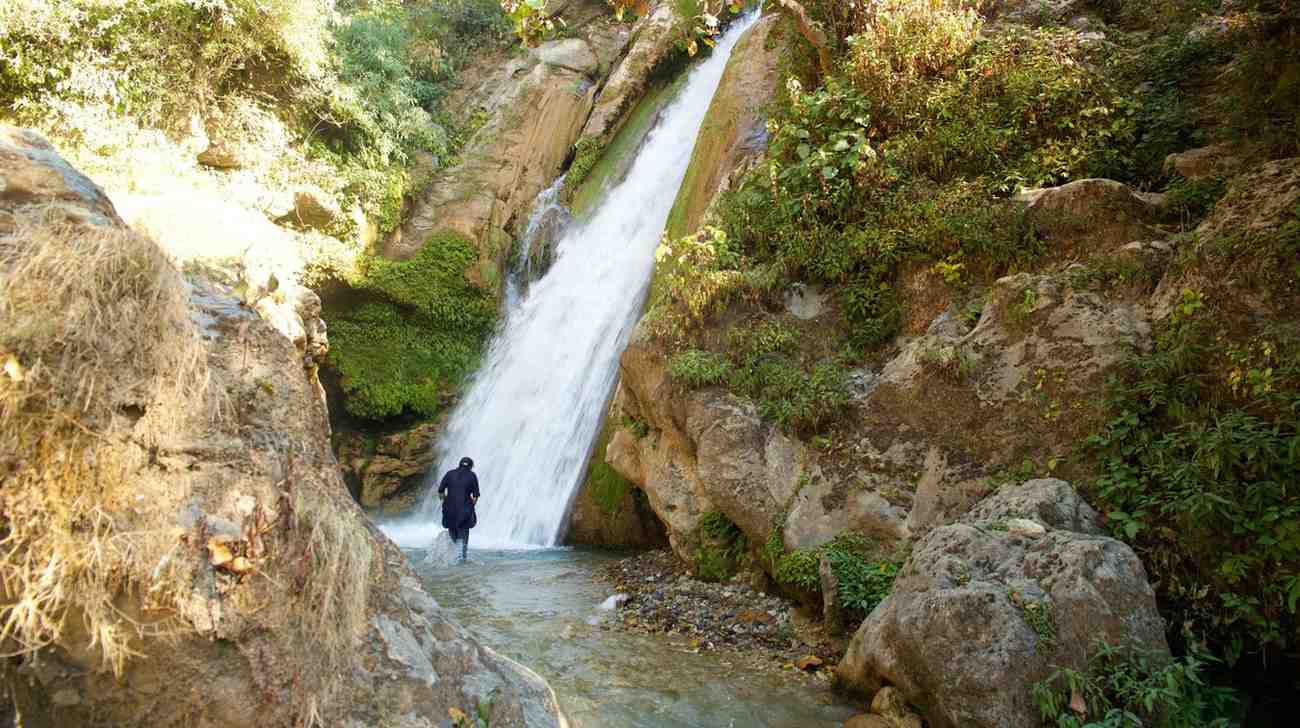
863 584
873 312
1198 472
697 368
384 95
144 59
724 547
1191 200
790 396
799 568
762 339
904 44
712 565
864 578
1124 688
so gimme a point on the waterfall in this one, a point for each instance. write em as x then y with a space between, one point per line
531 414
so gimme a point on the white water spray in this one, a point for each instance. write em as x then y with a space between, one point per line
532 412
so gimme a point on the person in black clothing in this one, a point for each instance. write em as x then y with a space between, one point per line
459 493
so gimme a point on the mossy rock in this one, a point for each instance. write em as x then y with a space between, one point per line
405 334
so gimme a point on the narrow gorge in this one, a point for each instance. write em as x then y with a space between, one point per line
865 364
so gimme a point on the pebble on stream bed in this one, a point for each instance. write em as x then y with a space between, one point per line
766 631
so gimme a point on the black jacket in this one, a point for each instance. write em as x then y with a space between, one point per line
457 508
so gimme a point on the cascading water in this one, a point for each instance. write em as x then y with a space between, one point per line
532 412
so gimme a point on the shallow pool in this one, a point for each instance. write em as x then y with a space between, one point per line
542 608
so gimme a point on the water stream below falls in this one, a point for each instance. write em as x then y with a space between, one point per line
529 420
541 607
533 410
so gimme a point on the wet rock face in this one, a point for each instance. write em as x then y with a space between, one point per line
650 43
387 470
734 132
629 523
280 603
988 606
534 106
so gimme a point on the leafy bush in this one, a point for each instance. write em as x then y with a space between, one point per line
384 94
863 584
905 43
697 368
1123 688
873 312
788 395
864 578
724 547
145 58
1198 473
1191 200
799 569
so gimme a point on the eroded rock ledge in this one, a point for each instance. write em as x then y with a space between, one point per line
205 563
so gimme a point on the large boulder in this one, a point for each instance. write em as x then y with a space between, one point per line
529 109
1216 160
166 459
386 471
1091 216
1242 256
986 607
704 451
652 40
1020 383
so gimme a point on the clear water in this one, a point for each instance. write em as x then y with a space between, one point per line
532 412
539 607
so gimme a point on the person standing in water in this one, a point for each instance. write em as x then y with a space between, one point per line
459 493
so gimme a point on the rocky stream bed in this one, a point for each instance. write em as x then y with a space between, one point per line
625 667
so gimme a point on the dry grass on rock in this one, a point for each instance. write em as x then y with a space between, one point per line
94 332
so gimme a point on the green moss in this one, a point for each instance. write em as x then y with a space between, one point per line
585 155
604 486
608 488
591 173
408 332
718 558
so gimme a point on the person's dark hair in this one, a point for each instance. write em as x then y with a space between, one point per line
467 463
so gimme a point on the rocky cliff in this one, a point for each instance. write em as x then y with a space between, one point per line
180 548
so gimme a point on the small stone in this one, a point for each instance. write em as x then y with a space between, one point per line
889 702
1025 527
866 720
314 208
808 663
804 301
67 697
221 156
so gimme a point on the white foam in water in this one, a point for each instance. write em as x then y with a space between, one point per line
532 412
